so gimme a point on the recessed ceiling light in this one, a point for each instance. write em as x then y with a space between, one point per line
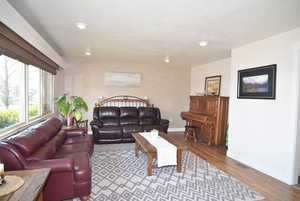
167 59
203 43
88 53
81 25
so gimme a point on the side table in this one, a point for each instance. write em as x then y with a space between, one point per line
34 181
74 128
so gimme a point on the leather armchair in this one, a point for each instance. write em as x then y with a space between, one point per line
48 145
116 124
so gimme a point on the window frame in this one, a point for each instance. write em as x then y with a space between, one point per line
41 114
40 89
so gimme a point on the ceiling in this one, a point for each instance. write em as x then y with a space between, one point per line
147 31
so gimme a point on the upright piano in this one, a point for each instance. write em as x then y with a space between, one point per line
209 114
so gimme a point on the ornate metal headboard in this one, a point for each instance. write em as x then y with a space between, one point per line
123 101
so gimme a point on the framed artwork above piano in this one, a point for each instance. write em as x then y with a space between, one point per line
209 114
213 85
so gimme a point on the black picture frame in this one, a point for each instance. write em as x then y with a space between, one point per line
257 83
214 80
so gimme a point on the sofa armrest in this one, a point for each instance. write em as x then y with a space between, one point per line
164 122
75 132
56 165
96 123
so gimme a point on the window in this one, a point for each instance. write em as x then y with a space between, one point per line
34 92
47 92
12 87
26 93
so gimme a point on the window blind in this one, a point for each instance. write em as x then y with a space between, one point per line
13 45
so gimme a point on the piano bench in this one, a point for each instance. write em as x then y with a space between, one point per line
190 131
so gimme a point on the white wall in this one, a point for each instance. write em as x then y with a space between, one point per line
262 133
199 73
11 18
297 156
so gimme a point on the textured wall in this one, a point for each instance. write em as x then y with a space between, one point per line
167 86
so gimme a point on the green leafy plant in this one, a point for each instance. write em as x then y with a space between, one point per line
9 117
33 110
70 106
12 116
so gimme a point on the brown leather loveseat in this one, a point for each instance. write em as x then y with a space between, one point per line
116 124
49 146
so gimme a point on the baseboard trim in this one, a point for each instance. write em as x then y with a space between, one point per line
175 129
169 130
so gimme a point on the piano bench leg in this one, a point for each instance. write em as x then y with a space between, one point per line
190 132
194 136
185 135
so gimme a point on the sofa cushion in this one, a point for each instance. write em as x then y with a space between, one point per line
146 121
73 148
126 112
28 143
110 132
58 140
147 116
47 131
128 116
54 121
109 112
79 139
43 153
128 130
49 128
129 121
147 112
110 122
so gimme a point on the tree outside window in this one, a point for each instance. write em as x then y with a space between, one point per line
17 100
11 92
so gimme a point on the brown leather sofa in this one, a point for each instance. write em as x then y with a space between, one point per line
49 146
116 124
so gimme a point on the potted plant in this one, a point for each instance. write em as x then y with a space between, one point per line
70 107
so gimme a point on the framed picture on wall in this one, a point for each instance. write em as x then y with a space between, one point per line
212 85
257 83
123 79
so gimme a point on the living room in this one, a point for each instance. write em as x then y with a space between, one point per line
173 48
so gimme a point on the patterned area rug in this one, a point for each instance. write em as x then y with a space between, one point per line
119 175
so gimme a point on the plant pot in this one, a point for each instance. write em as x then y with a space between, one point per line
69 121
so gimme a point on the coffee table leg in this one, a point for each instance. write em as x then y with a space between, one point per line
149 164
179 160
136 149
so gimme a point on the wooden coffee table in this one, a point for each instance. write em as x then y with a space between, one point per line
141 144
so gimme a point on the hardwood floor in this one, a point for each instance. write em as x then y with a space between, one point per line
271 188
